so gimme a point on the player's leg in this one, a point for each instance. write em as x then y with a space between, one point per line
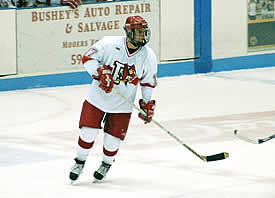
115 129
86 140
110 149
89 125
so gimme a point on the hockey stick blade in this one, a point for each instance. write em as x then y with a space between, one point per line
266 139
216 157
257 141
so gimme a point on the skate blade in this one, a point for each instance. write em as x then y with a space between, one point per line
96 181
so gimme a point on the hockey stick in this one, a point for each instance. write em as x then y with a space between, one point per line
257 141
208 158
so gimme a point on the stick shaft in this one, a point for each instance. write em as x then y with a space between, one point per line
178 140
159 125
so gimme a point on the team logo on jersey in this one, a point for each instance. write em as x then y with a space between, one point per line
124 73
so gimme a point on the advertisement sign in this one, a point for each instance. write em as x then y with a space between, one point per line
54 39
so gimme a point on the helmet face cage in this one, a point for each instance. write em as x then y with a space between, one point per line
139 36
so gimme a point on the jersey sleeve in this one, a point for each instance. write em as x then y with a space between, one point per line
149 77
93 58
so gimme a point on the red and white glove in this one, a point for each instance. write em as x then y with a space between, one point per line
105 78
148 108
73 3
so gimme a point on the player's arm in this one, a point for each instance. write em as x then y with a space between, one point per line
93 58
73 3
148 83
93 62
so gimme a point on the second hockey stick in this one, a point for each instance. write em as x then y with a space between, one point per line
253 141
207 158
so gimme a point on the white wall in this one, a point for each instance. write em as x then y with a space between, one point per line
7 42
177 29
229 28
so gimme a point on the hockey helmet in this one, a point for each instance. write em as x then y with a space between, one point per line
137 30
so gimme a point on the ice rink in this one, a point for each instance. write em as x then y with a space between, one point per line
39 132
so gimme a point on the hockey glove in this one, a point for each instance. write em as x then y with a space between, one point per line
105 78
148 108
73 3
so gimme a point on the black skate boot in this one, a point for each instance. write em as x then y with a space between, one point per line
101 171
76 169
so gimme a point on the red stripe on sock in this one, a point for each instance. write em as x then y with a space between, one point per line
109 153
84 144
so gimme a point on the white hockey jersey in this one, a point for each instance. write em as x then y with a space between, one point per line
128 72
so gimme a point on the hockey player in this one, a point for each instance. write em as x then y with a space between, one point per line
123 62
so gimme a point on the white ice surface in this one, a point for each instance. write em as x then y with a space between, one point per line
39 131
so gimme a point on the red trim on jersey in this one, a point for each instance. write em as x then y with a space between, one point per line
109 153
87 56
149 85
84 144
85 59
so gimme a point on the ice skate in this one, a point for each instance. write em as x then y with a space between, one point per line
76 170
101 172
